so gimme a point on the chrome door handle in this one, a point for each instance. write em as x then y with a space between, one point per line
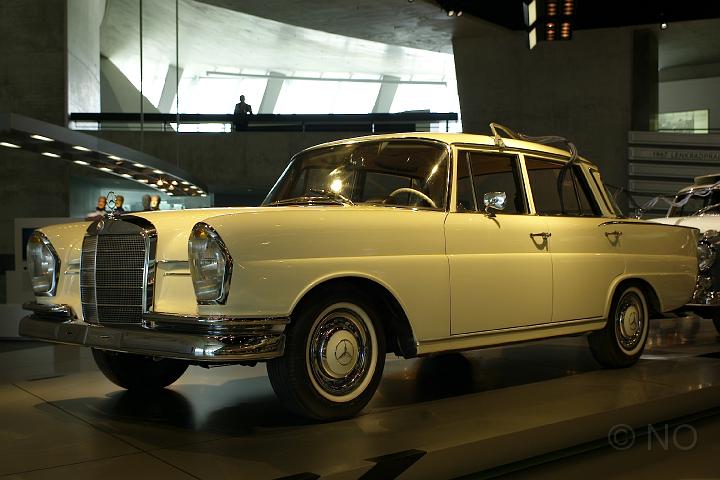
615 232
544 235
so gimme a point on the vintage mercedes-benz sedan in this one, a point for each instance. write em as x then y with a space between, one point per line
698 205
413 243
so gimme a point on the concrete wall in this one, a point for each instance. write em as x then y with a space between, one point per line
692 94
33 43
83 50
580 89
239 168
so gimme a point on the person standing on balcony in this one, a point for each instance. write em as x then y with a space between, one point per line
240 115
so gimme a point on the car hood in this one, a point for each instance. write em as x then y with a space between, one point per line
174 226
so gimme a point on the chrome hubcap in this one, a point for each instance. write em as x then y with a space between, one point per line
339 351
630 321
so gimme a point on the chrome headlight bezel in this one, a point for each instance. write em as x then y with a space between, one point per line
211 284
707 248
42 258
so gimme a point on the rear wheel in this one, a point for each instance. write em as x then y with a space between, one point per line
138 372
622 341
334 356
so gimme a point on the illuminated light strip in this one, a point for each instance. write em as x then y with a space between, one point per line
80 162
40 137
82 149
50 154
9 145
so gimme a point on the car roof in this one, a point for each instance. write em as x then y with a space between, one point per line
457 139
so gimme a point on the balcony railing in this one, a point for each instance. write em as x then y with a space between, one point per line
369 123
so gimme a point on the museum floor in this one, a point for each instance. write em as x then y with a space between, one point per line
540 410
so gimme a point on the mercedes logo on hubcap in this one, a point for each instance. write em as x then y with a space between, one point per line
344 352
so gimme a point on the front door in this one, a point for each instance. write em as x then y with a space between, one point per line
500 268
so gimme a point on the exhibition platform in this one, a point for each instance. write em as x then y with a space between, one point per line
482 413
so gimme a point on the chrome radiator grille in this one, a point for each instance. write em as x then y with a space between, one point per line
116 273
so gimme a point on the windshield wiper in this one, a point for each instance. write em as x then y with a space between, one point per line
333 195
308 199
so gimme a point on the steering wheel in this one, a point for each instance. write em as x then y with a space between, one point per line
414 192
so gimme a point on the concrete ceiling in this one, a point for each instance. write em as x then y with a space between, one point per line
397 37
416 24
212 37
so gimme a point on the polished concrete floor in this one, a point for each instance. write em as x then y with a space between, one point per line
444 416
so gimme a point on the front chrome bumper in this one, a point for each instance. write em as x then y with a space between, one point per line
198 339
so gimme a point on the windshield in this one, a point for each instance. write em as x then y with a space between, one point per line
698 201
406 173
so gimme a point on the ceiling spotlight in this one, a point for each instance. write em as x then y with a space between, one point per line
159 182
204 195
171 194
185 183
106 169
174 182
114 157
451 13
80 162
459 13
171 187
663 26
9 145
193 187
82 149
159 172
40 137
49 154
126 175
163 190
139 165
143 180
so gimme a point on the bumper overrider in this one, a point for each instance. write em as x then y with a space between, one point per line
210 339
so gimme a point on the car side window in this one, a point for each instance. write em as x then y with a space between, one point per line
559 189
485 172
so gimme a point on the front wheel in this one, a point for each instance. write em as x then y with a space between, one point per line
138 372
334 356
622 341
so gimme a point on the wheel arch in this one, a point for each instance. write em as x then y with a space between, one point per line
651 297
398 331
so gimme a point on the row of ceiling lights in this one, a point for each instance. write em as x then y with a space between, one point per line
548 20
118 166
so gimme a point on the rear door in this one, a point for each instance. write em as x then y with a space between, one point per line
585 250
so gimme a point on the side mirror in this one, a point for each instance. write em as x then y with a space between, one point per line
494 201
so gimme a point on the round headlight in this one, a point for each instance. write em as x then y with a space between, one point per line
210 265
43 265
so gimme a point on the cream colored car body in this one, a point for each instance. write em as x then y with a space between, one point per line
463 280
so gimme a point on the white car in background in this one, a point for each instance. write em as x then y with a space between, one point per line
413 243
698 206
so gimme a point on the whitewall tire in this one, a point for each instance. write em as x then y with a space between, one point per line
334 355
622 341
